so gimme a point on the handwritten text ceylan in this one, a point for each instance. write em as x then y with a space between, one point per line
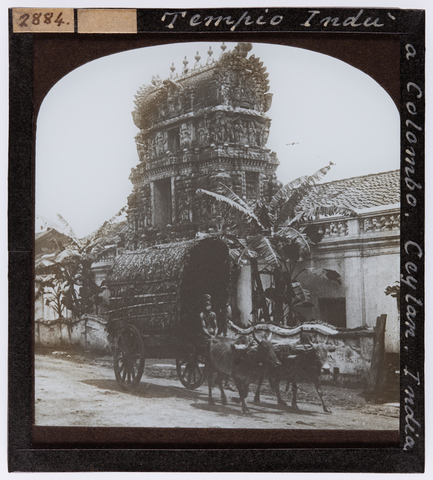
411 248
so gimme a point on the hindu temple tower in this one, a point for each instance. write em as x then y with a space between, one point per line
198 129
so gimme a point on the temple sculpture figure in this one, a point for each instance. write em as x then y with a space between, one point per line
200 129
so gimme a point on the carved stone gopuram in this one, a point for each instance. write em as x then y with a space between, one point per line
198 129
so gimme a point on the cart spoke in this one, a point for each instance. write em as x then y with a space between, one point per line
190 371
129 358
196 372
121 366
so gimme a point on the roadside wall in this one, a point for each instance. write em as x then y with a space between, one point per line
88 333
350 350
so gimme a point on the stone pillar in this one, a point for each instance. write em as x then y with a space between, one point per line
152 203
173 201
245 299
353 226
355 294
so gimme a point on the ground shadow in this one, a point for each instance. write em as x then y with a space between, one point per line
235 410
147 390
200 397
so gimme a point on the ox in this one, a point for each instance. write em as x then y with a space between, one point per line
244 363
302 363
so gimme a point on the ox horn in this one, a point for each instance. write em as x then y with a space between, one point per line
269 337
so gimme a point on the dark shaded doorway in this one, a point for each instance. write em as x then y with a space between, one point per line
333 311
162 203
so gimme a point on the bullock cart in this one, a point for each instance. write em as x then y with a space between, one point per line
156 296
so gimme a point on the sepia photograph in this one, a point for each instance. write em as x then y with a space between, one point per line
217 242
216 239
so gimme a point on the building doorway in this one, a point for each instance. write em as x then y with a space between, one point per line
162 203
333 311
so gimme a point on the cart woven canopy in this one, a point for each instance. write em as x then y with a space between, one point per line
160 289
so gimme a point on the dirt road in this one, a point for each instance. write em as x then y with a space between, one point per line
74 390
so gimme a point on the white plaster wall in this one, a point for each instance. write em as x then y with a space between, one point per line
381 271
320 287
42 310
245 302
355 294
87 334
364 280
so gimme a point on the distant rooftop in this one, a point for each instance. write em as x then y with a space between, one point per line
358 193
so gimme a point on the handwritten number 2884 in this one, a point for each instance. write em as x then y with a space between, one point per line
37 16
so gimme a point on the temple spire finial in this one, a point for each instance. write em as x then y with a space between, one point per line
172 68
197 61
185 65
209 59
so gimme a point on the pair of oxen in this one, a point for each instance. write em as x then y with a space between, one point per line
300 362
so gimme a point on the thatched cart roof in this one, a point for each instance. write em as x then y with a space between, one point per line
159 264
161 285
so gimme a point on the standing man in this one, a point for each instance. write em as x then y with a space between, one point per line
208 317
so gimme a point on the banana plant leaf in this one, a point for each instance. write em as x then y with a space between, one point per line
285 192
302 295
245 211
325 273
265 249
318 211
291 234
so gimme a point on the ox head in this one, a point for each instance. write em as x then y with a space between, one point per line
265 351
322 352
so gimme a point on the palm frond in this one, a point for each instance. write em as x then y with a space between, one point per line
290 233
68 255
66 228
288 198
229 193
247 213
265 249
234 253
265 215
302 295
325 273
321 211
284 193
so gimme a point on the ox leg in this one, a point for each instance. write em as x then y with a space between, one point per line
275 385
259 384
295 393
245 409
243 393
219 381
210 385
320 393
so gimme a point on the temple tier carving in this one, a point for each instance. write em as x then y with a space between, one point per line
201 129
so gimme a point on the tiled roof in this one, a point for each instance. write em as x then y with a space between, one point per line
374 190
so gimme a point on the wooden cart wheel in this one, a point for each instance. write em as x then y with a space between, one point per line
129 358
191 370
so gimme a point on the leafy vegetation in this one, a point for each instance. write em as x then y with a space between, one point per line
64 277
275 237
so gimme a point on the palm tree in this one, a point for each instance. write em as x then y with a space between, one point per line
276 232
68 271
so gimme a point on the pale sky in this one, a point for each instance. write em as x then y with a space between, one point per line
85 144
